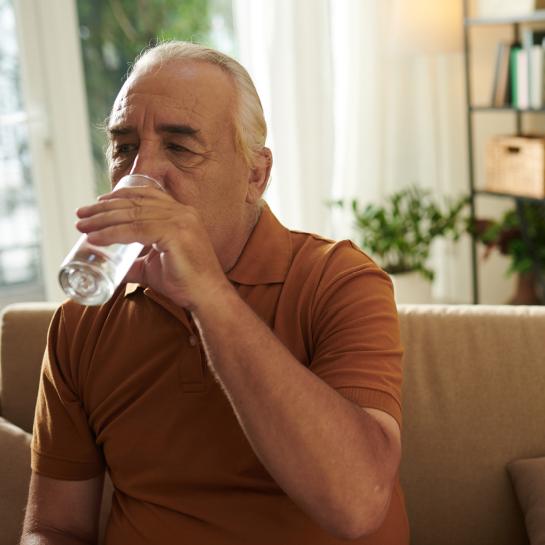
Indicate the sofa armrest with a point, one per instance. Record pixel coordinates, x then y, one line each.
14 480
23 334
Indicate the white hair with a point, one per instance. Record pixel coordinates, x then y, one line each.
249 121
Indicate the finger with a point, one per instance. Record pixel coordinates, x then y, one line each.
147 233
118 216
96 208
135 193
119 203
137 272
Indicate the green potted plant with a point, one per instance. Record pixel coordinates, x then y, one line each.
524 250
399 232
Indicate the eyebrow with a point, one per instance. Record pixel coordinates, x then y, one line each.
184 130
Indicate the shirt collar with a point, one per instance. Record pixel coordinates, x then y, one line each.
265 258
267 255
131 288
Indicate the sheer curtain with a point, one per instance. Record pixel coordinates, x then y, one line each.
355 111
286 47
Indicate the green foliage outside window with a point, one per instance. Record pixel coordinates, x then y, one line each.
114 32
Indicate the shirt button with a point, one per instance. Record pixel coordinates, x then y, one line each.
193 340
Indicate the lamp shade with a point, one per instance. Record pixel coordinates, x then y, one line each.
428 26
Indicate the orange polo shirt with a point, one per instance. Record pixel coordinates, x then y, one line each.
125 388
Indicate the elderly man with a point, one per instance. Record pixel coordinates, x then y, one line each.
243 388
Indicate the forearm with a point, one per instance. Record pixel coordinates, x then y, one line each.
48 537
324 451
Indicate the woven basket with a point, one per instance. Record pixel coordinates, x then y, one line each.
516 165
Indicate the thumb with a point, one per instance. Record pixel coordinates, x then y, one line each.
139 269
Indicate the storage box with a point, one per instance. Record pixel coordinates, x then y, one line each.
507 8
516 165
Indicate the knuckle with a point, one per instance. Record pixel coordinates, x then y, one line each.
136 213
137 227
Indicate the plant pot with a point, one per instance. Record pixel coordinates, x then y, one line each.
526 290
411 288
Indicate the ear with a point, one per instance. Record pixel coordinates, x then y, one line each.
259 175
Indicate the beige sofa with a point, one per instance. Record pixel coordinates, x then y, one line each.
474 400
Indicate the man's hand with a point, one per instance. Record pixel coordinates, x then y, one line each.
180 262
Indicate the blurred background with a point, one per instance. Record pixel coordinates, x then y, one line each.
371 126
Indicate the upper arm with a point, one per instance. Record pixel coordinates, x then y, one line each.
67 507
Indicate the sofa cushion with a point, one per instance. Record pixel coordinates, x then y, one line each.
14 479
472 402
528 476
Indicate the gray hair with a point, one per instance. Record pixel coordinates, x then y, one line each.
249 121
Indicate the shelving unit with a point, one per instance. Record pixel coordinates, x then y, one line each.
515 23
534 17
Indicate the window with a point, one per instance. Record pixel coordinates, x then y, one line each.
51 146
113 33
20 255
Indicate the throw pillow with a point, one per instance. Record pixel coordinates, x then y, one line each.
528 476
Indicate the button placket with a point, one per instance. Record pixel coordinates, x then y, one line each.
191 365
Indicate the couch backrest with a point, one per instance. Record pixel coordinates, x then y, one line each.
474 399
22 342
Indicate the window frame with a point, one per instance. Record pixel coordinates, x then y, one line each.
58 126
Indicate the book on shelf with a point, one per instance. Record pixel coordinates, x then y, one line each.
522 80
501 89
535 68
519 75
513 74
533 42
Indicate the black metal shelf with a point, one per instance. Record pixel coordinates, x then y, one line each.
534 17
508 109
519 115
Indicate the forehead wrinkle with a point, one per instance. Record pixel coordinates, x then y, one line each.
171 101
125 105
140 94
120 118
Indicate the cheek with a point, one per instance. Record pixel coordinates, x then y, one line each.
216 188
186 161
117 169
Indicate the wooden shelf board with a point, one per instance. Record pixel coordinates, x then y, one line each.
508 195
534 17
483 108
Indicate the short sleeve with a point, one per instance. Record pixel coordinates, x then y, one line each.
63 445
357 346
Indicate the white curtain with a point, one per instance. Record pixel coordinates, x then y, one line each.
286 47
354 112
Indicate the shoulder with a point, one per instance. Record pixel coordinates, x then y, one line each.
78 323
330 261
333 278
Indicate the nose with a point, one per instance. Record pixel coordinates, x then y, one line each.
149 161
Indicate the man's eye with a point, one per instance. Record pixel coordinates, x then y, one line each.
124 149
177 148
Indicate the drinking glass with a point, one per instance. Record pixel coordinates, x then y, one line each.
90 274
